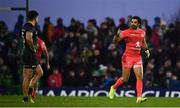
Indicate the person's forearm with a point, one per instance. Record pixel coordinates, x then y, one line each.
31 45
29 40
145 46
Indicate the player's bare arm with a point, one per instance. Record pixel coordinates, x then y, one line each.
47 58
30 41
145 46
117 36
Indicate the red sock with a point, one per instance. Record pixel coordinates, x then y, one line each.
33 94
118 83
139 86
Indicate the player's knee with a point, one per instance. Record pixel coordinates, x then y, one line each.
33 83
139 77
39 72
125 80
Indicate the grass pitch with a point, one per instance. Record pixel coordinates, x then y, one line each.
57 101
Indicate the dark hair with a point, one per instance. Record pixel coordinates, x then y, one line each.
32 15
138 18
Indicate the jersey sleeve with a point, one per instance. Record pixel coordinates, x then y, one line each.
123 34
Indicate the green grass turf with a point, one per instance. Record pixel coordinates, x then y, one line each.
57 101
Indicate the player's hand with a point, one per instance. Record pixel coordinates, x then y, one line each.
147 53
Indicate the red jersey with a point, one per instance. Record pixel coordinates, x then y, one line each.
41 47
133 39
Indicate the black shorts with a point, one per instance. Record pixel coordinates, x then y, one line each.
29 59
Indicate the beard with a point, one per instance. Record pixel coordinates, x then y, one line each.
134 26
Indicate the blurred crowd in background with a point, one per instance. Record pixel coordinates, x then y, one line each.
84 55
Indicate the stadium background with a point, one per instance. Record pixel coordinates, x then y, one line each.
81 47
87 9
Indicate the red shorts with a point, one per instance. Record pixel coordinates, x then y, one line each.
129 62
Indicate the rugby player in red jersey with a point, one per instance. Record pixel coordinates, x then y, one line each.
41 48
135 40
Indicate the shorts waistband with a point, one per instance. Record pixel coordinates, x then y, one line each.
30 66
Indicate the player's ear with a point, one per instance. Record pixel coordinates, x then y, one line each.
139 25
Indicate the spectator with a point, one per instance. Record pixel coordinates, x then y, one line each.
55 80
122 24
59 30
174 82
147 29
13 58
48 31
19 24
91 29
72 27
155 39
